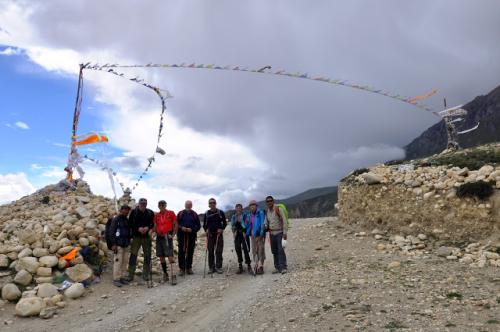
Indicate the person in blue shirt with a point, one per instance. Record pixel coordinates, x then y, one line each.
238 226
255 229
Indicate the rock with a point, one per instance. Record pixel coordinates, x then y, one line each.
394 265
39 252
371 178
83 199
23 278
44 272
28 293
30 306
27 237
422 237
10 292
26 252
30 264
62 264
48 261
84 242
43 280
57 298
79 272
91 224
74 291
48 312
82 212
444 251
378 237
61 304
64 250
451 257
4 261
47 290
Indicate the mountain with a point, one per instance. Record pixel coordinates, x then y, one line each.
312 203
484 110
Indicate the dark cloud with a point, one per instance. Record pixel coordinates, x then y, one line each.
310 133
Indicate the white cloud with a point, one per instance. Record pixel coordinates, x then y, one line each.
11 51
22 125
13 186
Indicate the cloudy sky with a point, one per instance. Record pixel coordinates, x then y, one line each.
234 136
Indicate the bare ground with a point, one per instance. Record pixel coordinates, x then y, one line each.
336 281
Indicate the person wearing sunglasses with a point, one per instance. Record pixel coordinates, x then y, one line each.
165 229
277 227
214 223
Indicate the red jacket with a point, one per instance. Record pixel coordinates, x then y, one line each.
164 222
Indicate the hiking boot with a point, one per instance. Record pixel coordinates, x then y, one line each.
284 271
219 270
240 269
211 271
275 271
174 280
124 281
181 273
249 268
129 278
117 283
260 270
190 271
165 277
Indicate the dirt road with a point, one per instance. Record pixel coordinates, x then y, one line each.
336 281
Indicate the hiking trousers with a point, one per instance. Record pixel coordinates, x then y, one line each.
239 244
259 250
137 243
215 247
120 262
186 241
278 252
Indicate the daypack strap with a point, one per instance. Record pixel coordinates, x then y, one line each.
280 217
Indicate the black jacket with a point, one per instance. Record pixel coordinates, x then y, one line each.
214 220
141 219
120 232
188 219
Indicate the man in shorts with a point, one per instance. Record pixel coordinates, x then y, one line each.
165 228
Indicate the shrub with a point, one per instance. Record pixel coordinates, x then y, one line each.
479 189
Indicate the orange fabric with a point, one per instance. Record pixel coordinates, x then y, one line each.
71 255
164 222
417 98
92 139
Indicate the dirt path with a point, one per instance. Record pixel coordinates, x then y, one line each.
337 281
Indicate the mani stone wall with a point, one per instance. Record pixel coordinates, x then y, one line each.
408 199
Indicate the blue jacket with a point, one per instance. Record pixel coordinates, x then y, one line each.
258 224
244 222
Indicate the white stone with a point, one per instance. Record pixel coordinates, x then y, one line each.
371 178
74 291
30 306
39 252
30 264
10 292
47 290
44 271
79 272
4 261
26 252
82 212
23 278
48 261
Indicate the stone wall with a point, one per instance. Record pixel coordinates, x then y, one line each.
406 199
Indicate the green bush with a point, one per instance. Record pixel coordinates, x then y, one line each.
479 189
473 159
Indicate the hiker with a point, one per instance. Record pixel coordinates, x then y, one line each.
255 229
120 236
238 226
165 229
142 223
277 227
214 223
188 226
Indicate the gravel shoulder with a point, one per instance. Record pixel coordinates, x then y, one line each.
336 281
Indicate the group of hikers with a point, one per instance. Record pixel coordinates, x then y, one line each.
133 229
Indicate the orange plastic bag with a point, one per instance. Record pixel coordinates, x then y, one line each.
71 255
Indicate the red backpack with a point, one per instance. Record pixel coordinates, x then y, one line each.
164 222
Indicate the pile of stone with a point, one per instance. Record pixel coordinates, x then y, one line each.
36 232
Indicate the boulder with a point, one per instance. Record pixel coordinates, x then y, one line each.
444 251
74 291
48 261
26 252
371 178
23 278
28 293
4 261
30 306
48 312
43 280
30 264
84 242
27 237
44 272
64 250
39 252
79 272
10 292
47 290
82 212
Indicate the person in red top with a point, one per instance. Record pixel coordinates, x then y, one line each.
165 229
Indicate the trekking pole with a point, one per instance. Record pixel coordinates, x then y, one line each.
215 249
150 277
245 247
229 263
206 253
185 253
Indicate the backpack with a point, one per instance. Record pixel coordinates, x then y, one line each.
107 233
285 212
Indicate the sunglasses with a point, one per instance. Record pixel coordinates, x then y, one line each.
211 203
269 201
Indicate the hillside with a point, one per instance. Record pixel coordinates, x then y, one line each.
483 109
